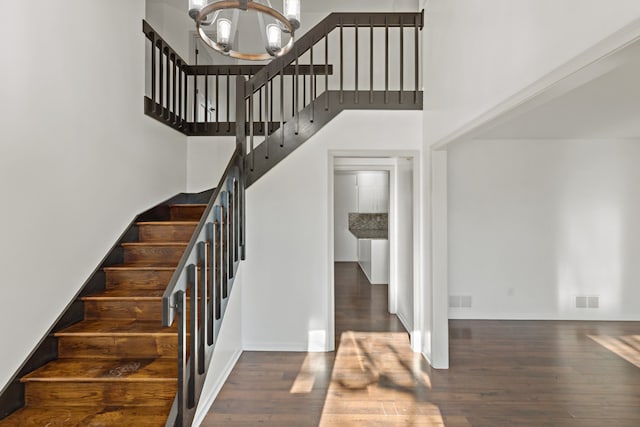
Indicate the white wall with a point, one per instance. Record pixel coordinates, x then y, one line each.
171 20
207 158
478 53
533 223
288 273
345 196
78 158
404 233
226 352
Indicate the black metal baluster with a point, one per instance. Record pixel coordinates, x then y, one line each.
206 99
195 101
185 113
312 82
180 77
266 117
341 64
193 330
181 313
297 72
153 71
228 102
282 105
202 314
173 88
217 101
168 83
211 293
251 147
326 71
416 59
355 98
260 108
160 78
217 230
401 60
271 105
370 61
386 60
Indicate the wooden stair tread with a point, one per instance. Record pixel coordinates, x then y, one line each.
127 294
160 244
137 267
189 205
86 416
113 327
168 223
89 370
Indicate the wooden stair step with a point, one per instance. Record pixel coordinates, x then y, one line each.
186 212
94 328
105 370
153 253
82 393
117 338
132 276
90 416
119 294
133 304
166 231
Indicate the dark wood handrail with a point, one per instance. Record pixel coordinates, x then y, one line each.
324 27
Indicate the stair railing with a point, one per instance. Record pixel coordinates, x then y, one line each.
383 75
197 295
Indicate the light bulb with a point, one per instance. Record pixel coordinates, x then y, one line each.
223 32
274 38
195 6
292 12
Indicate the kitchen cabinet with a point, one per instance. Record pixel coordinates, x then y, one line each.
373 258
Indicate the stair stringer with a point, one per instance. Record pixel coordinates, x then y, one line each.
314 117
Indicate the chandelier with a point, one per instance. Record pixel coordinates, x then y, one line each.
272 25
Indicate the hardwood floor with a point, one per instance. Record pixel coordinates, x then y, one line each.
503 373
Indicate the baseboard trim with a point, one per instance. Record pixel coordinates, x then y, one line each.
539 316
275 346
231 363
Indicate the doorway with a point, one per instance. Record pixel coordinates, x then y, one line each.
379 192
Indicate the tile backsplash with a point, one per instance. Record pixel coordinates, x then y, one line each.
368 221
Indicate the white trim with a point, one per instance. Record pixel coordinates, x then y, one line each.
404 323
279 346
231 363
453 315
369 160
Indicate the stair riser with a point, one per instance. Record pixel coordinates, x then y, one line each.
54 394
165 233
138 279
153 255
186 213
118 309
118 347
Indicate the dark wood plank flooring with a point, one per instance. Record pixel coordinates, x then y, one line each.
503 373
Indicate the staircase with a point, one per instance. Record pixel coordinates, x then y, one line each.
134 347
117 366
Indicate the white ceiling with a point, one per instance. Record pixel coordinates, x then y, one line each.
606 107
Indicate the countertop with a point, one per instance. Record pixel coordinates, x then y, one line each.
373 234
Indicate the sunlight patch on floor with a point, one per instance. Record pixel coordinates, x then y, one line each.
378 380
314 364
627 347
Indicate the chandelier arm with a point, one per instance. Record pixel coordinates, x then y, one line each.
258 7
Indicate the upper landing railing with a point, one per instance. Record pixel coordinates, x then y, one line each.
353 53
376 63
